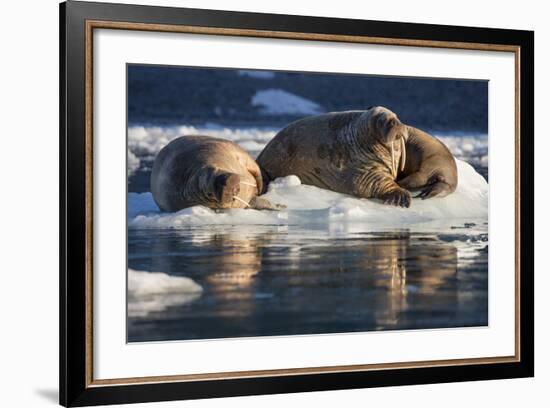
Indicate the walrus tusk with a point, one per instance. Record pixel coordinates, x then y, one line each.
241 200
403 154
392 159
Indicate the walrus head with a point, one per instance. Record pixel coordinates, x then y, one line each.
226 187
386 128
230 190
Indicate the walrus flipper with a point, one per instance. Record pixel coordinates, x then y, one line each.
438 189
434 187
414 182
398 197
259 203
376 184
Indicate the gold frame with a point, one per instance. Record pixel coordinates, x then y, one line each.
99 24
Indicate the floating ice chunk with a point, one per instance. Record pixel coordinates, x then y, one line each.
465 146
485 161
279 102
150 292
200 215
148 141
144 283
256 74
133 163
470 200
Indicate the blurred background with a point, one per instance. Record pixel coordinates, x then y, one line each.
161 95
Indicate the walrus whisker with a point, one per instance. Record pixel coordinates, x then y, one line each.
403 154
241 200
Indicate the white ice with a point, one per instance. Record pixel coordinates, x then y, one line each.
308 204
256 74
156 291
133 163
279 102
147 141
200 215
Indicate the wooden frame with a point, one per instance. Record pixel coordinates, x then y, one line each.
77 22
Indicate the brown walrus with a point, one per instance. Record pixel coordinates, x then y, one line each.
203 170
368 154
429 167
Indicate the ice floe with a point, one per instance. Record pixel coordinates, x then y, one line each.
309 205
256 74
147 141
150 292
280 102
133 163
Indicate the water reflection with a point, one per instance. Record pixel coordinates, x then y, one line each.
287 280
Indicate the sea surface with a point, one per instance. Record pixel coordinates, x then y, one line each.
270 280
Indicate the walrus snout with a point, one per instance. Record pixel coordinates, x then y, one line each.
387 125
391 123
393 134
394 130
226 187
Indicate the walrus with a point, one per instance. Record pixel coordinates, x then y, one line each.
429 166
203 170
368 154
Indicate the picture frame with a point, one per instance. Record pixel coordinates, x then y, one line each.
78 386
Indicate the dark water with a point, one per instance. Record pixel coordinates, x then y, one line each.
269 280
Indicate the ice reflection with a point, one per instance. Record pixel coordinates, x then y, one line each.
284 280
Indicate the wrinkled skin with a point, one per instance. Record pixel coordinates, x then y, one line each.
354 152
202 170
430 168
368 154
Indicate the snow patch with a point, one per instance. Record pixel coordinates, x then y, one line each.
200 215
133 163
146 142
289 181
279 102
256 74
150 292
466 146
